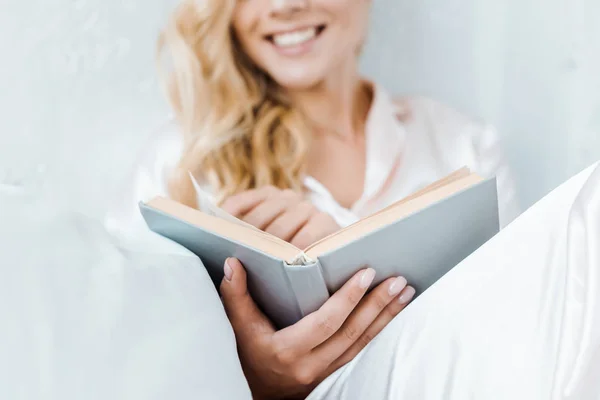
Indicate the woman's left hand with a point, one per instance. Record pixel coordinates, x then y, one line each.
282 213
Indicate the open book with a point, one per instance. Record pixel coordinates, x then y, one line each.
421 237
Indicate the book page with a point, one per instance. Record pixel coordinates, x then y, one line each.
447 180
389 215
245 234
456 175
207 206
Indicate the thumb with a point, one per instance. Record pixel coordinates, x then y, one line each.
241 309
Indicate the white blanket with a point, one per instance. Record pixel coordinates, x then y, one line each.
86 315
519 319
89 316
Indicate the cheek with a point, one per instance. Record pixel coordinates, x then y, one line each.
243 23
253 50
346 9
351 18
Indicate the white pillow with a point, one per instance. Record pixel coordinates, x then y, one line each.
87 316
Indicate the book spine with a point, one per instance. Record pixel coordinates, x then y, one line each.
309 287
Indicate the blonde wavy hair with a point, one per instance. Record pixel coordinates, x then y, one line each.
239 130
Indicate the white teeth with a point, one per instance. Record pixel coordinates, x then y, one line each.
294 38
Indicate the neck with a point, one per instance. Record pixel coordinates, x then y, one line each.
336 106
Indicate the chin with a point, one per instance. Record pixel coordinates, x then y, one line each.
297 81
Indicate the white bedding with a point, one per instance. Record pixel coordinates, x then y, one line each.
89 315
519 319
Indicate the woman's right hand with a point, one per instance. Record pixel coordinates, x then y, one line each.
291 362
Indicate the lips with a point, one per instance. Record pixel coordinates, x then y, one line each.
295 37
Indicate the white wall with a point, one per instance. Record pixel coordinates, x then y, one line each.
78 92
530 67
78 88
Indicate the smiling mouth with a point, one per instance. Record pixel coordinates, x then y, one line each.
295 38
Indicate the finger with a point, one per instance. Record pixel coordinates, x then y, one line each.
266 212
242 311
319 226
239 204
287 225
320 325
360 320
385 317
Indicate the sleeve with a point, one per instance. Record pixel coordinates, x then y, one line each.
147 178
491 161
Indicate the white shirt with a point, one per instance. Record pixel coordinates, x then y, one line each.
402 156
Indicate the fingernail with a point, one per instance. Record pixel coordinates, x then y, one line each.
367 278
228 271
407 295
397 285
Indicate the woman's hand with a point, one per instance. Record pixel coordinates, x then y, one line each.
282 213
291 362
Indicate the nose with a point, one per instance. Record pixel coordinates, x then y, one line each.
288 6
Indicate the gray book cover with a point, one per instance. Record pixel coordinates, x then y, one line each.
422 247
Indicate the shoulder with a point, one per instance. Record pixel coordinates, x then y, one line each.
456 135
436 115
457 140
444 124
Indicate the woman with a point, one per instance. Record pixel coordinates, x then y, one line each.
273 118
